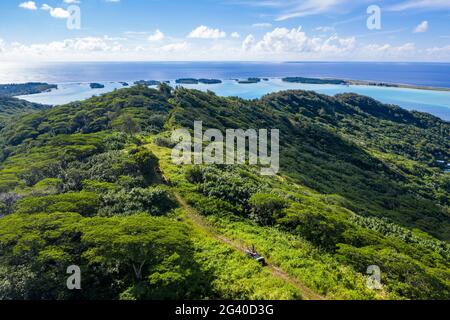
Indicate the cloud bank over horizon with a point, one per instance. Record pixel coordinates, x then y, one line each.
272 30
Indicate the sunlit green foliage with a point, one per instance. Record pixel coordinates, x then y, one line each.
12 107
360 185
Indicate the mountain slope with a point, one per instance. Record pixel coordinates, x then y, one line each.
327 146
358 186
10 107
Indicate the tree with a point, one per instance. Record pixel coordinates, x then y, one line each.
154 200
129 125
311 223
36 250
152 256
165 89
7 201
266 208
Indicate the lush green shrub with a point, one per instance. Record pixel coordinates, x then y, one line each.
266 208
7 202
400 273
155 201
315 226
84 203
164 142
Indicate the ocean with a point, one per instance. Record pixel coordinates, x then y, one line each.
73 79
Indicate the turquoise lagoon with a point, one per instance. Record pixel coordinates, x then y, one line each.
430 101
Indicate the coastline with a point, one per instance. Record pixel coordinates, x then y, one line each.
352 82
432 100
324 81
394 85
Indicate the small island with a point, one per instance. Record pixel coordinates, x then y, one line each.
249 81
25 88
210 81
359 83
197 81
96 86
313 80
147 83
187 81
124 84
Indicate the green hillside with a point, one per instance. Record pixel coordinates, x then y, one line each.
25 88
10 107
92 184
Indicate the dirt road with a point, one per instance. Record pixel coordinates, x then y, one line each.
200 222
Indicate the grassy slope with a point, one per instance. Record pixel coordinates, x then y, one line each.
234 276
300 259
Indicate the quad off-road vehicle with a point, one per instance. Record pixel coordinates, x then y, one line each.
253 254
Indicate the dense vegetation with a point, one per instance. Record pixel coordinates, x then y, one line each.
209 81
12 107
360 185
197 81
313 80
147 82
25 88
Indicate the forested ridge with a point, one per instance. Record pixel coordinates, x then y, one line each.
361 183
13 107
25 88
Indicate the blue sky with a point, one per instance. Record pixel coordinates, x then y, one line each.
272 30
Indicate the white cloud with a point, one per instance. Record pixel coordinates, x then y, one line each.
288 9
279 44
301 8
135 33
262 25
73 46
29 5
420 4
336 45
248 43
157 36
235 35
204 32
72 1
173 47
310 7
88 44
439 52
422 27
295 41
324 29
114 39
59 13
389 52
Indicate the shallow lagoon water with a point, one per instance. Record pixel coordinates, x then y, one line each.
70 92
433 102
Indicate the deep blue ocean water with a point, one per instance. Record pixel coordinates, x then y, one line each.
424 74
73 79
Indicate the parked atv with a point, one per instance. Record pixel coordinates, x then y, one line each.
253 254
